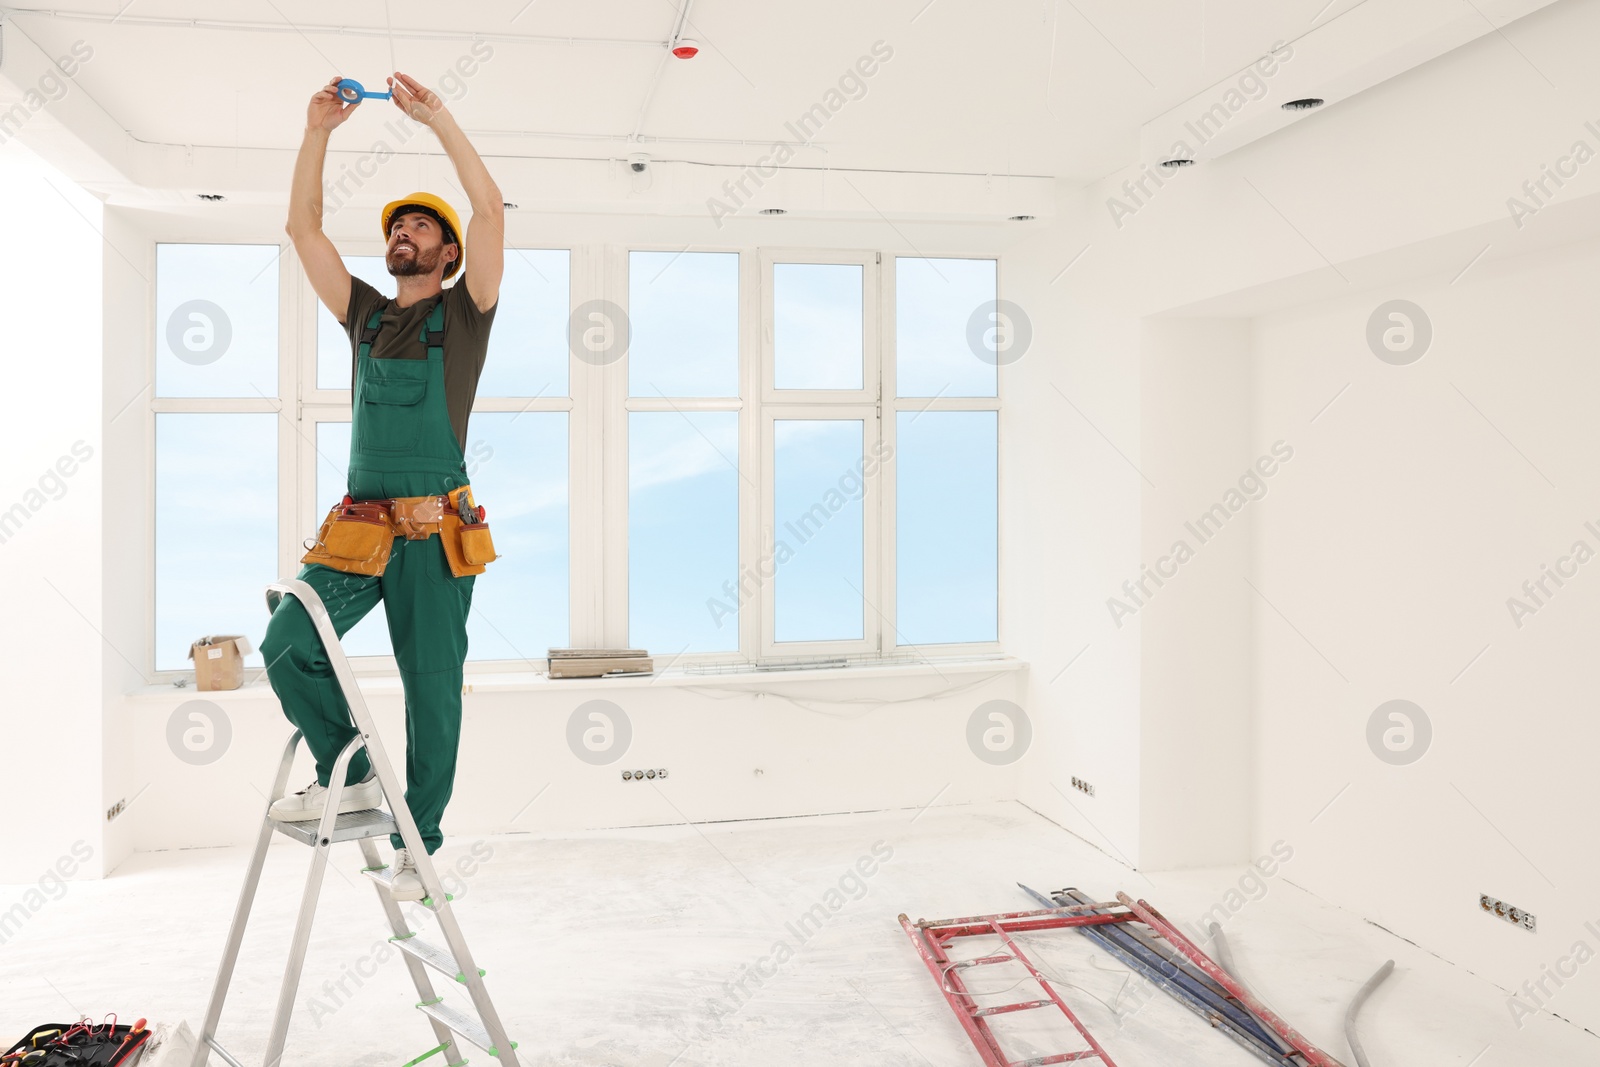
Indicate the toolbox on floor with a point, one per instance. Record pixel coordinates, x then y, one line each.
79 1044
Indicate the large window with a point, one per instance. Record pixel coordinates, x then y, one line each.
216 522
818 495
216 430
683 451
949 344
727 454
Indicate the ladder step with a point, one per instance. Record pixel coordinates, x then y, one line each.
441 960
384 876
1001 1009
462 1023
351 826
1064 1057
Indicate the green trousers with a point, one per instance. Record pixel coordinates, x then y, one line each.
427 610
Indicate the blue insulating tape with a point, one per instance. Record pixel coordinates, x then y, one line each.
351 92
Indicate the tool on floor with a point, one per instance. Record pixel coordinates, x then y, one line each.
1208 989
352 92
481 1026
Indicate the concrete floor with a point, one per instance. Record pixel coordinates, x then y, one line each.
626 949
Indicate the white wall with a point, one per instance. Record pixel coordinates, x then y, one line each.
1415 507
1190 598
1385 548
50 524
1069 448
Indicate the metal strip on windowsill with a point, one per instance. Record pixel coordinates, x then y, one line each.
810 663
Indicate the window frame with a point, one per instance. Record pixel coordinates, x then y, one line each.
871 349
158 405
898 404
870 641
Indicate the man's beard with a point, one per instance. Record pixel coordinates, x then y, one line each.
419 262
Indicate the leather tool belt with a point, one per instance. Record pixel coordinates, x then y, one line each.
358 535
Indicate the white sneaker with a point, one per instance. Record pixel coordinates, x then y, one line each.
405 884
307 805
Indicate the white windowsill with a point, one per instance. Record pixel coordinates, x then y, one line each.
538 681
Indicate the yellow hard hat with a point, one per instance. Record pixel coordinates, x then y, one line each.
429 204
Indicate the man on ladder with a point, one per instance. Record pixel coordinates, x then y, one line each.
417 360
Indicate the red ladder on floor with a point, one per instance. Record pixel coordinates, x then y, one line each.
930 937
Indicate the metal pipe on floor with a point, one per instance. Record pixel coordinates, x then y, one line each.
1355 1006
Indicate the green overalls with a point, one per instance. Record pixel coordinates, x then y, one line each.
401 445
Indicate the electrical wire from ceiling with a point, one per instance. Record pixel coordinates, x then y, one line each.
655 79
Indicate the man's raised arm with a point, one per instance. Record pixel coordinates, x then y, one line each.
320 259
486 233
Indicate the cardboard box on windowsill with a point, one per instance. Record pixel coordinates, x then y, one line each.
219 661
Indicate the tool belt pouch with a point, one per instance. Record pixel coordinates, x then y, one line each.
476 544
355 538
451 535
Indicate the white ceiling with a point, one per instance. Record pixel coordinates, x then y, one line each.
1056 88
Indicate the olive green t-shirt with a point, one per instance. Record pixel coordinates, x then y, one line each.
466 340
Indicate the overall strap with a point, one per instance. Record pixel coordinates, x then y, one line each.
432 334
369 333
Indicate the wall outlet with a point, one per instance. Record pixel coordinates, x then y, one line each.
639 776
1515 916
1082 786
116 809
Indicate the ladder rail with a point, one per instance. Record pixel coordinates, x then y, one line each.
476 989
241 914
366 727
308 907
951 986
419 973
367 733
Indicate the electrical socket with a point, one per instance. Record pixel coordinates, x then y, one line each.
639 776
116 809
1515 916
1083 786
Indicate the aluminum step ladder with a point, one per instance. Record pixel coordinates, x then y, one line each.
454 960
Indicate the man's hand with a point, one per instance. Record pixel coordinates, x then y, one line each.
415 99
486 232
327 110
327 271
